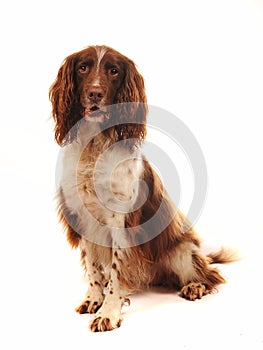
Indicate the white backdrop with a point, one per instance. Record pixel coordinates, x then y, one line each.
202 61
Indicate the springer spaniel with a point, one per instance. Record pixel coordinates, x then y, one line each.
111 202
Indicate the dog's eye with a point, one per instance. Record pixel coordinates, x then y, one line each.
114 71
83 68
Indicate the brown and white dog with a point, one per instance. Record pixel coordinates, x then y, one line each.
111 202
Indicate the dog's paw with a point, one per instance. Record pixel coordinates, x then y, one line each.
89 306
105 322
193 291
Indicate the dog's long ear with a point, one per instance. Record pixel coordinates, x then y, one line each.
133 104
62 96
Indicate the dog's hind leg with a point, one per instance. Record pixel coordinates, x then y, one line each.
195 274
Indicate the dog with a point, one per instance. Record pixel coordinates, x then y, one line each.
111 202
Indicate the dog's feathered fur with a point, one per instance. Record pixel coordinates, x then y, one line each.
141 244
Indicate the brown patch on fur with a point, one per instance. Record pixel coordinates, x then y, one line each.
117 257
82 258
125 301
67 219
162 232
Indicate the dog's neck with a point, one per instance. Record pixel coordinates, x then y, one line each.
87 130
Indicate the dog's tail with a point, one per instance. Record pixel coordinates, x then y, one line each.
224 255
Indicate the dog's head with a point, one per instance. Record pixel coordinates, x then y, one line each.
101 85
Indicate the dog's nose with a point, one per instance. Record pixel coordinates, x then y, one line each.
95 94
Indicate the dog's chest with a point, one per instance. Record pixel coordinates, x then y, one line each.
102 179
111 176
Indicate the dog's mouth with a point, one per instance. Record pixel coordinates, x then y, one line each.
95 113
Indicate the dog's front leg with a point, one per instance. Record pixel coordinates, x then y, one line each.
109 315
96 278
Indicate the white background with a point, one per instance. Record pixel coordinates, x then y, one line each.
202 61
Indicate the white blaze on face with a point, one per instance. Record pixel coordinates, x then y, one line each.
100 53
97 116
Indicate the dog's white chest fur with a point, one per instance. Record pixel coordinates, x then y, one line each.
100 182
